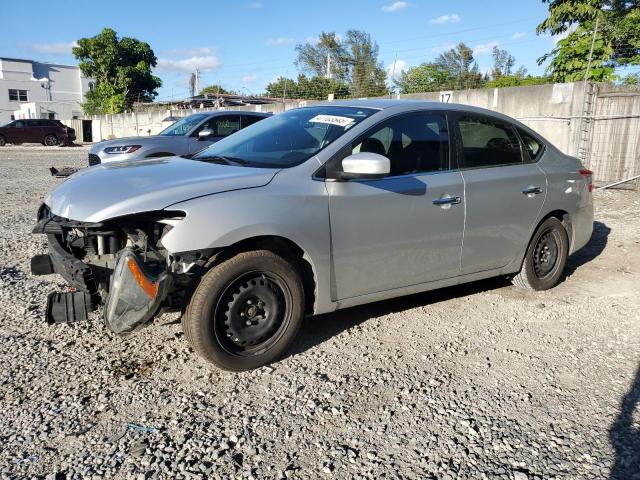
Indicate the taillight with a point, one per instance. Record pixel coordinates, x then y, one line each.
589 174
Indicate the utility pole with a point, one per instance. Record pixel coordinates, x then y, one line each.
197 81
328 75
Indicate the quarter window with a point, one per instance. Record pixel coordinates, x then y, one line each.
531 145
487 143
18 95
222 126
413 143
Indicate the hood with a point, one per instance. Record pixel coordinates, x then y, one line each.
155 139
122 188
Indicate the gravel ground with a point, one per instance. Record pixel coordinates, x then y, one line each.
479 381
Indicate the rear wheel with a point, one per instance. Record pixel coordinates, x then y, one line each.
3 141
546 257
246 311
50 140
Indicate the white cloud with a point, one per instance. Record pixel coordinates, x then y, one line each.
518 35
249 79
448 18
255 5
57 48
210 62
485 48
396 68
276 42
395 7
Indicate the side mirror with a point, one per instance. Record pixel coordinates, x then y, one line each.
202 134
365 165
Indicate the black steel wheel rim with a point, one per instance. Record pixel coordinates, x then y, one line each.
252 313
546 254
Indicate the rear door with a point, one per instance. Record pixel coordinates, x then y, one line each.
36 130
404 229
504 194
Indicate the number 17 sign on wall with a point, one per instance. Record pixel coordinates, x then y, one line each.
445 97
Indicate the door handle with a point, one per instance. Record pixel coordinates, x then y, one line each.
446 200
532 190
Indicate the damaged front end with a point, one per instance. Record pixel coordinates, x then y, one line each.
119 263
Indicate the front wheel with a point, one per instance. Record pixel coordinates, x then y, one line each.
3 141
51 140
246 311
546 257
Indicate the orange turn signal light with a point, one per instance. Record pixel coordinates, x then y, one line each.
150 288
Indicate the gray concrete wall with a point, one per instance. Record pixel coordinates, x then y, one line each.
551 110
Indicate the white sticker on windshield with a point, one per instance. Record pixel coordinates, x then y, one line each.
332 120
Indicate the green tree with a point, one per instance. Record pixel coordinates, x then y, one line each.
311 88
328 52
428 77
352 60
503 62
617 40
215 90
461 67
121 68
367 74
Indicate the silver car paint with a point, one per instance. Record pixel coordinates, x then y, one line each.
146 185
295 205
157 144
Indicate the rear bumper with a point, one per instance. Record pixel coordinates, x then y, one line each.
582 227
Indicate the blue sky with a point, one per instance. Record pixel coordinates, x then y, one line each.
245 44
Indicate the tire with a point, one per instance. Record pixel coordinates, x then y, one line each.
3 141
50 140
246 311
546 257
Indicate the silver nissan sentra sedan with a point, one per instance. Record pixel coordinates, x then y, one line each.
309 211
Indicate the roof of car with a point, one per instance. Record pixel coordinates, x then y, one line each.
239 112
411 104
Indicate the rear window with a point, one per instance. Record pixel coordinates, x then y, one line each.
488 143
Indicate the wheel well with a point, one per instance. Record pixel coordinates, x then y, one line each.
565 218
286 249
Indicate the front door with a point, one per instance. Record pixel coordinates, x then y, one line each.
405 229
17 132
221 126
504 194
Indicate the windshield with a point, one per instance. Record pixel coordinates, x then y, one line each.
286 139
184 126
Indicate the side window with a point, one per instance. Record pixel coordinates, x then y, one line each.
34 123
19 124
413 143
222 125
487 142
226 125
532 146
250 120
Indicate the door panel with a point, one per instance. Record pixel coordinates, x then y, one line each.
388 233
500 216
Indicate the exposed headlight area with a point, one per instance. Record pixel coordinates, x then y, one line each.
120 263
121 149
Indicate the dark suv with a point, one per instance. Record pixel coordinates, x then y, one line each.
47 132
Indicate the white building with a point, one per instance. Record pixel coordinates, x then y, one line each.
30 89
